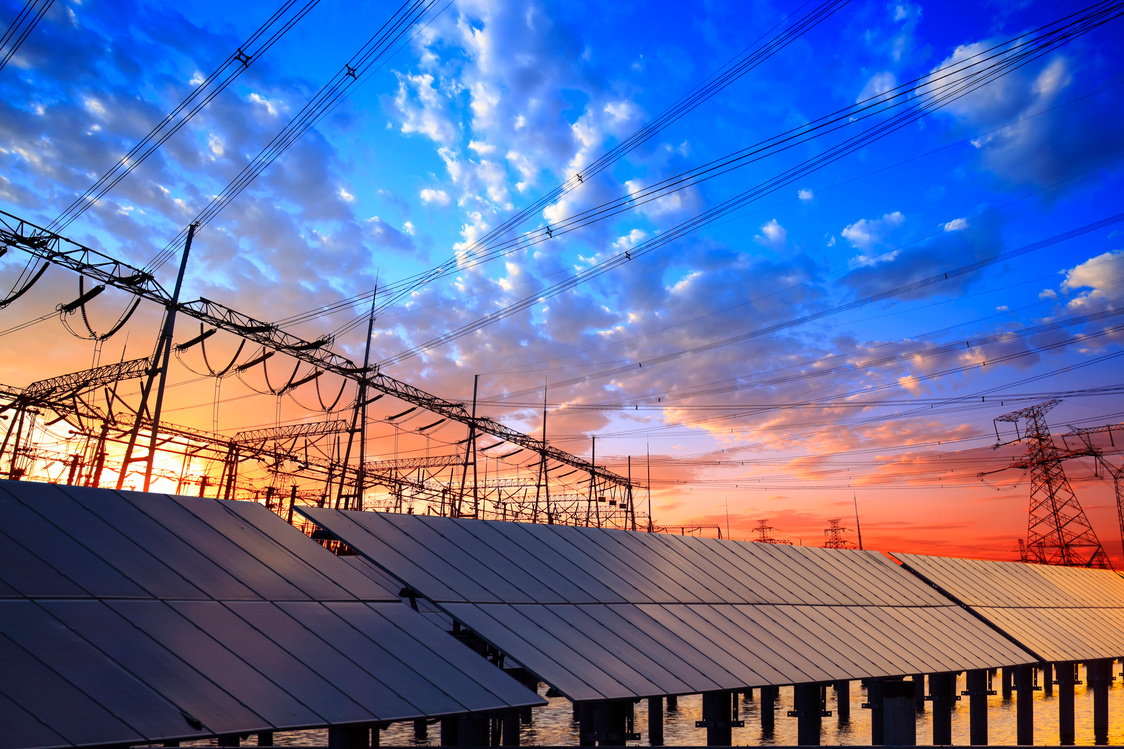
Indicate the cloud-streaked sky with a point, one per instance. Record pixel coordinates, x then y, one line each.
862 299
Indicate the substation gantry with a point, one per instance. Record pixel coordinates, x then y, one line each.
608 495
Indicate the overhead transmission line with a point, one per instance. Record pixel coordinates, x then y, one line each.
377 48
26 20
931 92
957 83
257 44
891 293
746 61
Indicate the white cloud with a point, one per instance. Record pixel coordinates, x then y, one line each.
957 224
772 234
865 234
878 85
1100 275
408 228
440 197
805 195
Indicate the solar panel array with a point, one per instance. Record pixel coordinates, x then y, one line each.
1057 613
601 614
129 618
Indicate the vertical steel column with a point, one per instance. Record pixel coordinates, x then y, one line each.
942 688
1024 705
1067 678
977 706
511 727
612 722
587 729
229 739
265 738
768 709
1099 675
1048 679
421 729
874 704
717 718
672 703
899 715
655 721
349 737
919 692
808 713
1008 681
843 701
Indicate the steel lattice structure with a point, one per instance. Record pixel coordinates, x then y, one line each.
1058 532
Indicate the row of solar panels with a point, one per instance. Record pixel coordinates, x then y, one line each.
136 618
130 618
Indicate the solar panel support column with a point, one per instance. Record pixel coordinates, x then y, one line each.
587 730
1099 675
919 692
942 693
717 718
655 721
349 737
265 738
421 729
1024 706
768 709
1048 679
748 694
612 721
808 701
843 701
899 716
977 692
511 725
1067 678
874 704
672 703
229 739
1008 682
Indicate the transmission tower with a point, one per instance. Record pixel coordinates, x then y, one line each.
764 534
1116 472
834 536
1057 530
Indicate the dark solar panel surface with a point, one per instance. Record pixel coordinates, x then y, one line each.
602 614
133 618
1057 613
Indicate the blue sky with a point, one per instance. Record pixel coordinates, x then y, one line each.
744 349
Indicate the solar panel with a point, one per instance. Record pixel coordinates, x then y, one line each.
1057 613
604 614
138 618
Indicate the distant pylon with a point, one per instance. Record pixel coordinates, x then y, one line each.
834 533
764 535
1057 530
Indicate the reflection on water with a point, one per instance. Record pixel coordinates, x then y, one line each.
555 724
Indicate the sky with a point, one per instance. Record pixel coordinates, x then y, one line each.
786 263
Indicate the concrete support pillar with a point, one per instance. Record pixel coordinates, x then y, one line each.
718 718
1067 678
899 714
942 693
874 692
768 709
1024 705
1048 679
655 721
1099 675
587 729
229 739
672 703
421 729
919 692
349 737
843 701
265 738
511 724
172 742
808 704
1008 681
747 694
977 706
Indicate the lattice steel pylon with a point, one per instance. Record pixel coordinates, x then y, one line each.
1057 530
833 535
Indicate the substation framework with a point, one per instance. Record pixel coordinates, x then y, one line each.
322 463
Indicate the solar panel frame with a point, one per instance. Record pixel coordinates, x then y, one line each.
553 551
31 576
22 730
664 576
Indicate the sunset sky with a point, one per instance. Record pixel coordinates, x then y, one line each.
848 236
